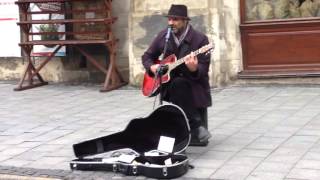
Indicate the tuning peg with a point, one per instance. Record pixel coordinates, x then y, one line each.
208 52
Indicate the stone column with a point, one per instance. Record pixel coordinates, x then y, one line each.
227 58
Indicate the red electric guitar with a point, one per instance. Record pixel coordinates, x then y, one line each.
151 84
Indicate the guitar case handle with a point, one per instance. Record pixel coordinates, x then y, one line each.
165 171
135 170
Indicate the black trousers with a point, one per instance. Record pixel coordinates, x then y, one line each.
178 91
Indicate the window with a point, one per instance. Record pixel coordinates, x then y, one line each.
258 10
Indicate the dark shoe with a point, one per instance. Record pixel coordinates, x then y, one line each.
196 142
199 137
203 134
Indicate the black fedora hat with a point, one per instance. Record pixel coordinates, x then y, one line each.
178 11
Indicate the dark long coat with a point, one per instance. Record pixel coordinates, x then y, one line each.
199 79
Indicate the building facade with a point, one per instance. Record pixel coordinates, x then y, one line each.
252 40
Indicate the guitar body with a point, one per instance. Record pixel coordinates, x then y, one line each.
151 84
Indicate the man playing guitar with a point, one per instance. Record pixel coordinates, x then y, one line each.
189 82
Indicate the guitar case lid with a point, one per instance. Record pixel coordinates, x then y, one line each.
143 134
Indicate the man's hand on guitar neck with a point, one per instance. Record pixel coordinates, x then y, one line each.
192 62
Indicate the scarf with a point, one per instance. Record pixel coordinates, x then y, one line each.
181 38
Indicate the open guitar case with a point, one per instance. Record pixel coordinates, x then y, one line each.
140 142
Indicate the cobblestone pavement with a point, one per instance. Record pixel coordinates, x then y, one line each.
259 132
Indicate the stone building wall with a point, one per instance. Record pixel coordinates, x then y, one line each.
219 20
121 9
138 23
227 60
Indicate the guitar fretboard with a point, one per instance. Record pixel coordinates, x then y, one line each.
181 60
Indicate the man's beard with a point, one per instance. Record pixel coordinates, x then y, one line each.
177 31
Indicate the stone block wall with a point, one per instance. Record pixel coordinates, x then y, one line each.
11 68
227 57
121 9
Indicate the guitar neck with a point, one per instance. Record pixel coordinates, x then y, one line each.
182 60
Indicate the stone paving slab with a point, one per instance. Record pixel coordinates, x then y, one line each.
259 132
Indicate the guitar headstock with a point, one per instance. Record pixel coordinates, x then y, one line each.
206 49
